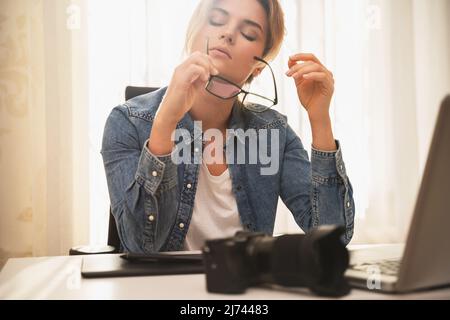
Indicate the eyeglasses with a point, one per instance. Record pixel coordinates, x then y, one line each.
225 89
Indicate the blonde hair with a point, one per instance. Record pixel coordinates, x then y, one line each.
275 31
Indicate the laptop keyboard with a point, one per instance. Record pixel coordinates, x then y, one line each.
386 267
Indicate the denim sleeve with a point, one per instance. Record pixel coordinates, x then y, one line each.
138 184
317 192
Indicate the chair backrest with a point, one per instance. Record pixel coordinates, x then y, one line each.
113 235
131 92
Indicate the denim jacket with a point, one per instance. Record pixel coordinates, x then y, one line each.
152 197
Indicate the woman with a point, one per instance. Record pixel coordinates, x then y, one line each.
163 205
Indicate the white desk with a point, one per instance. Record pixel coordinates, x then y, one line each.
59 278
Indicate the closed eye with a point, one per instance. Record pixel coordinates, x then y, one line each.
219 16
217 24
212 22
248 37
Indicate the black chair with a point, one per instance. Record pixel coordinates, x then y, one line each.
132 92
113 236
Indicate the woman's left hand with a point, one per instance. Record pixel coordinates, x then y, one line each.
315 84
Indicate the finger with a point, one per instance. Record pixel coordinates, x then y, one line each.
207 72
317 76
307 69
195 72
205 61
292 63
210 62
304 57
202 60
299 66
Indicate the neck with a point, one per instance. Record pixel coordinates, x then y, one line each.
212 111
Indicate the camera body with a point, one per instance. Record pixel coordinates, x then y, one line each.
317 260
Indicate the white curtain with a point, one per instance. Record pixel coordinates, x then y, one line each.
44 195
65 65
392 69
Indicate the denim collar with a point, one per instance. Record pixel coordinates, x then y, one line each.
236 122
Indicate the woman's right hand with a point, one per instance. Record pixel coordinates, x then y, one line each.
187 80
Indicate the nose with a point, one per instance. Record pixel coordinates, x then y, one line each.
228 36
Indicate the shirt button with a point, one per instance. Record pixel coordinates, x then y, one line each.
151 217
181 225
348 204
154 173
196 150
189 186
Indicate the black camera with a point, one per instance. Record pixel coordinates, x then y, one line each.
317 260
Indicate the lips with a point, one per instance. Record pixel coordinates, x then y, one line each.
223 50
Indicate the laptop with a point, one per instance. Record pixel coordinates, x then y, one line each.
424 260
135 264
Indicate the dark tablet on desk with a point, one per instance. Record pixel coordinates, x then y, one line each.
129 264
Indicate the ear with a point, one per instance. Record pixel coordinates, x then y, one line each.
257 72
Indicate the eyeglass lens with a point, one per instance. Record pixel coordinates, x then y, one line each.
222 88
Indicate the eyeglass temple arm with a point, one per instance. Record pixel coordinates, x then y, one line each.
273 77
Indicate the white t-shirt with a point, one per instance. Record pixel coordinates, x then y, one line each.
215 214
